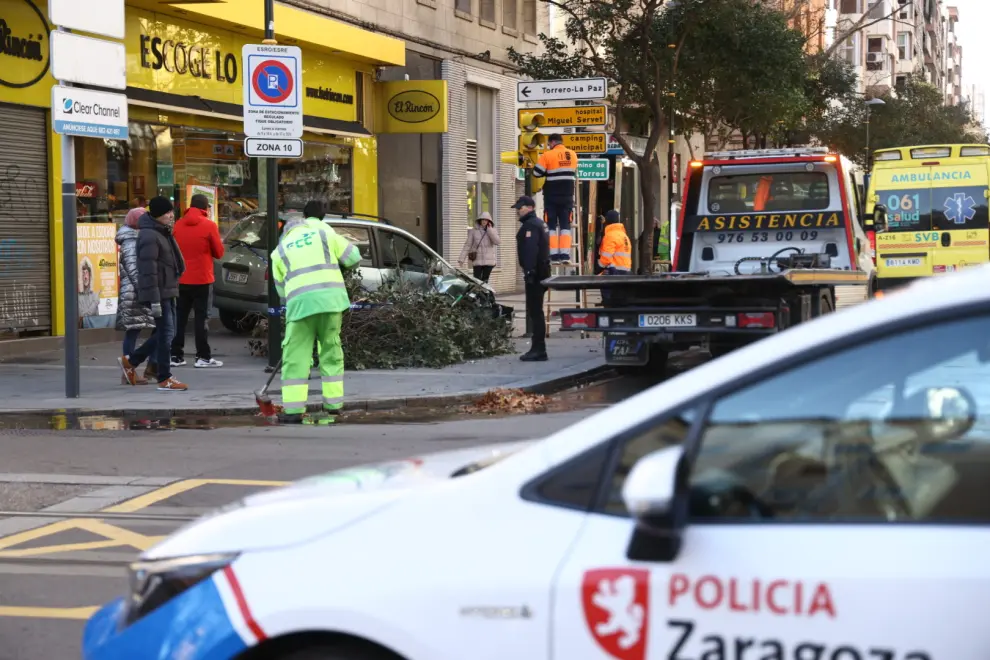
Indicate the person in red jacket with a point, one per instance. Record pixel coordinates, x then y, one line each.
199 240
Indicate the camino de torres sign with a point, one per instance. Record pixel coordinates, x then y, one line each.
411 106
592 169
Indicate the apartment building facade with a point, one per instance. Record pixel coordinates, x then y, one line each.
436 185
901 38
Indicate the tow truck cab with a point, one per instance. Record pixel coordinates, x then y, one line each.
750 211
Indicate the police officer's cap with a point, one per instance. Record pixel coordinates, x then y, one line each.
525 200
611 217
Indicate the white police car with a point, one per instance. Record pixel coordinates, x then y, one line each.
819 495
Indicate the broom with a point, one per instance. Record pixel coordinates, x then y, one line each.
261 396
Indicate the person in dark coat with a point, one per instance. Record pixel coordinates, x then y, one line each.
132 316
533 247
160 265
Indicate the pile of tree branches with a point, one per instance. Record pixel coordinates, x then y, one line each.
400 325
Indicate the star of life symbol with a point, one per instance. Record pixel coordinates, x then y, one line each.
960 208
625 615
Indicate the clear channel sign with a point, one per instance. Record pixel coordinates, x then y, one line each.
575 89
593 169
273 91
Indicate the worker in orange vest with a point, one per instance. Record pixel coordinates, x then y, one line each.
615 255
559 166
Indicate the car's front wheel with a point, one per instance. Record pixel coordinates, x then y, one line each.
240 323
337 652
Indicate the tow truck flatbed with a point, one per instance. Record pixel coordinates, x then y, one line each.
795 277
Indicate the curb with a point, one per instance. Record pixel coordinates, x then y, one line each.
360 405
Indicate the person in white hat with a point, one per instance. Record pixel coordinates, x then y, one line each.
480 248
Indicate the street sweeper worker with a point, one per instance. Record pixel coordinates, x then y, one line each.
307 270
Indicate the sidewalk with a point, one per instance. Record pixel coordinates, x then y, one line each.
36 383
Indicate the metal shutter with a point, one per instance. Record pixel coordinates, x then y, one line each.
25 274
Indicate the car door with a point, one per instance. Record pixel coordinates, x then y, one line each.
360 237
905 249
404 259
835 513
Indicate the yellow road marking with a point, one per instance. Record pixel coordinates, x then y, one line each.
113 536
179 487
77 613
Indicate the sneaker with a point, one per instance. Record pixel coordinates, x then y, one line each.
128 374
172 385
138 380
178 362
207 364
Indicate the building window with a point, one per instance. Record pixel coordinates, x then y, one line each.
904 45
480 151
849 7
510 18
849 52
487 12
874 54
463 5
529 16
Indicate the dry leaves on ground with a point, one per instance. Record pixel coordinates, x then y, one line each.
502 400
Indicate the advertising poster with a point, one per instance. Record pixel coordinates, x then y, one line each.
211 197
97 283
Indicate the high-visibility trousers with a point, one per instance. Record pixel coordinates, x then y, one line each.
557 215
297 358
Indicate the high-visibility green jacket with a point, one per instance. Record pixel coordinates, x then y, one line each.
663 242
306 266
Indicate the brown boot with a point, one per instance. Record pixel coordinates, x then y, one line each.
150 374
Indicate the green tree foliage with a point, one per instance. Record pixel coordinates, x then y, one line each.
406 326
917 115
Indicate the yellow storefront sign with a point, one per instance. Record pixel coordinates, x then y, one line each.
173 56
412 106
24 53
586 143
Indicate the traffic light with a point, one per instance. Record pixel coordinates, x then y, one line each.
512 158
530 121
535 182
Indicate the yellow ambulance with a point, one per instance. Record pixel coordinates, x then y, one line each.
928 209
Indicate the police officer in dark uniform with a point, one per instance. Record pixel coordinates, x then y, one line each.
533 248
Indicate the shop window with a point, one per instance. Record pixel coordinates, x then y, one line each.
480 150
510 17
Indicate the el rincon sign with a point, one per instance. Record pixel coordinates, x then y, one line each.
412 106
24 47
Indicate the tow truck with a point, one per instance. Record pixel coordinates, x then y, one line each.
766 239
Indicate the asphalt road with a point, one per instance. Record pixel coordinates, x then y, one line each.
53 572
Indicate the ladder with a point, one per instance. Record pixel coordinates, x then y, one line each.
554 301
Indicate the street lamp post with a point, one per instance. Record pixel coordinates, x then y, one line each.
869 106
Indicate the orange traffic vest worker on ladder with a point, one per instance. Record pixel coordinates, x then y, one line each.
615 254
559 166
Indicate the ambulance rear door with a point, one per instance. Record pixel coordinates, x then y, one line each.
959 215
905 248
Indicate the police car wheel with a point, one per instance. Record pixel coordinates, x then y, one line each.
338 652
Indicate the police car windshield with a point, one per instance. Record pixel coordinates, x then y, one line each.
769 192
